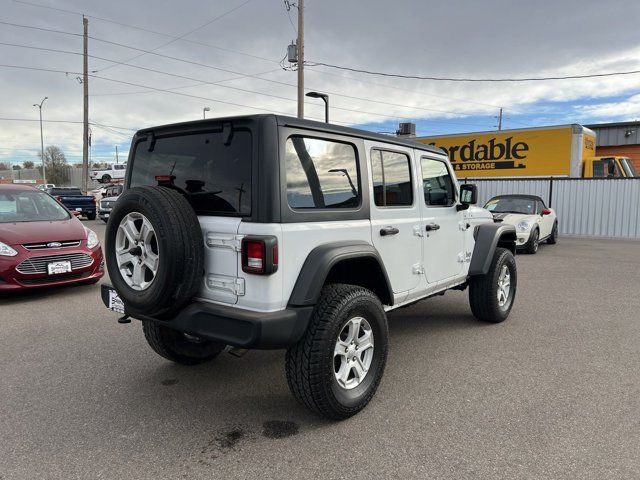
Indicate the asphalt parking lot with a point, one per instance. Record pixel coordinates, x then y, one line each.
554 392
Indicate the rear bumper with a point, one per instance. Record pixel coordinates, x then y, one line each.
235 326
84 210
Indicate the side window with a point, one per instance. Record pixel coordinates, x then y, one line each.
321 174
119 167
437 183
391 179
598 169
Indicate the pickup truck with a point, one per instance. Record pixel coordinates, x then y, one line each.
108 200
75 201
112 172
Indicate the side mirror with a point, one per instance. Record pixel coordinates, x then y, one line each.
468 196
545 211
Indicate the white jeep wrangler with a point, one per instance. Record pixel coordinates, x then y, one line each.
268 232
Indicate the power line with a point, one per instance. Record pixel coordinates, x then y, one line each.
182 36
5 119
218 100
287 7
453 79
148 30
144 52
40 28
256 76
36 120
145 86
237 88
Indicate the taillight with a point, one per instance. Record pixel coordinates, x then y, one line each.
165 178
255 256
260 255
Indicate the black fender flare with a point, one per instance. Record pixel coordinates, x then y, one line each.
488 236
319 263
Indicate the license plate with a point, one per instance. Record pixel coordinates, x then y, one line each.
78 209
115 302
57 268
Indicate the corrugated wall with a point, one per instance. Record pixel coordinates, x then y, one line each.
598 207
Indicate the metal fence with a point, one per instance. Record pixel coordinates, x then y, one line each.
594 207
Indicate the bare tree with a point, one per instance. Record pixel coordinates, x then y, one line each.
4 166
28 164
57 168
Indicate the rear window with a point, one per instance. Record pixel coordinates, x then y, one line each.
214 177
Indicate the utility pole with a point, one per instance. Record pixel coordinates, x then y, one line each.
44 174
85 88
500 120
300 43
117 161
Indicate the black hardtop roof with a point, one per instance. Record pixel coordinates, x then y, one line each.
521 195
284 120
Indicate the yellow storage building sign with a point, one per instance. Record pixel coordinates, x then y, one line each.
530 152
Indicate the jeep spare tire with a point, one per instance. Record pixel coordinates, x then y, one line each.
154 251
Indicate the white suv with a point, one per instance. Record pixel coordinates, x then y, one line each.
272 232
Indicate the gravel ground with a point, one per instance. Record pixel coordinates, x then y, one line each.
551 393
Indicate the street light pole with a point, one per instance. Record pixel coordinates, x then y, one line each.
44 175
325 99
204 112
300 43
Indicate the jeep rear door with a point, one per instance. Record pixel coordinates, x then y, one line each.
212 169
395 215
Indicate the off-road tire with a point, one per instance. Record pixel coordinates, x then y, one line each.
180 246
175 346
483 290
310 362
553 238
105 178
532 245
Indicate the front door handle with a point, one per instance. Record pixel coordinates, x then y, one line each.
388 231
432 227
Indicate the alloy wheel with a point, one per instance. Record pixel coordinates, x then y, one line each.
353 353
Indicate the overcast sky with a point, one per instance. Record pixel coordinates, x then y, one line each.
454 38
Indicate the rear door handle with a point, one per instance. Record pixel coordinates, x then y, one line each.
388 231
432 226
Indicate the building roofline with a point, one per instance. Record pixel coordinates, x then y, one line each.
635 123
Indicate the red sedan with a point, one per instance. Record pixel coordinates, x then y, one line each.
42 244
